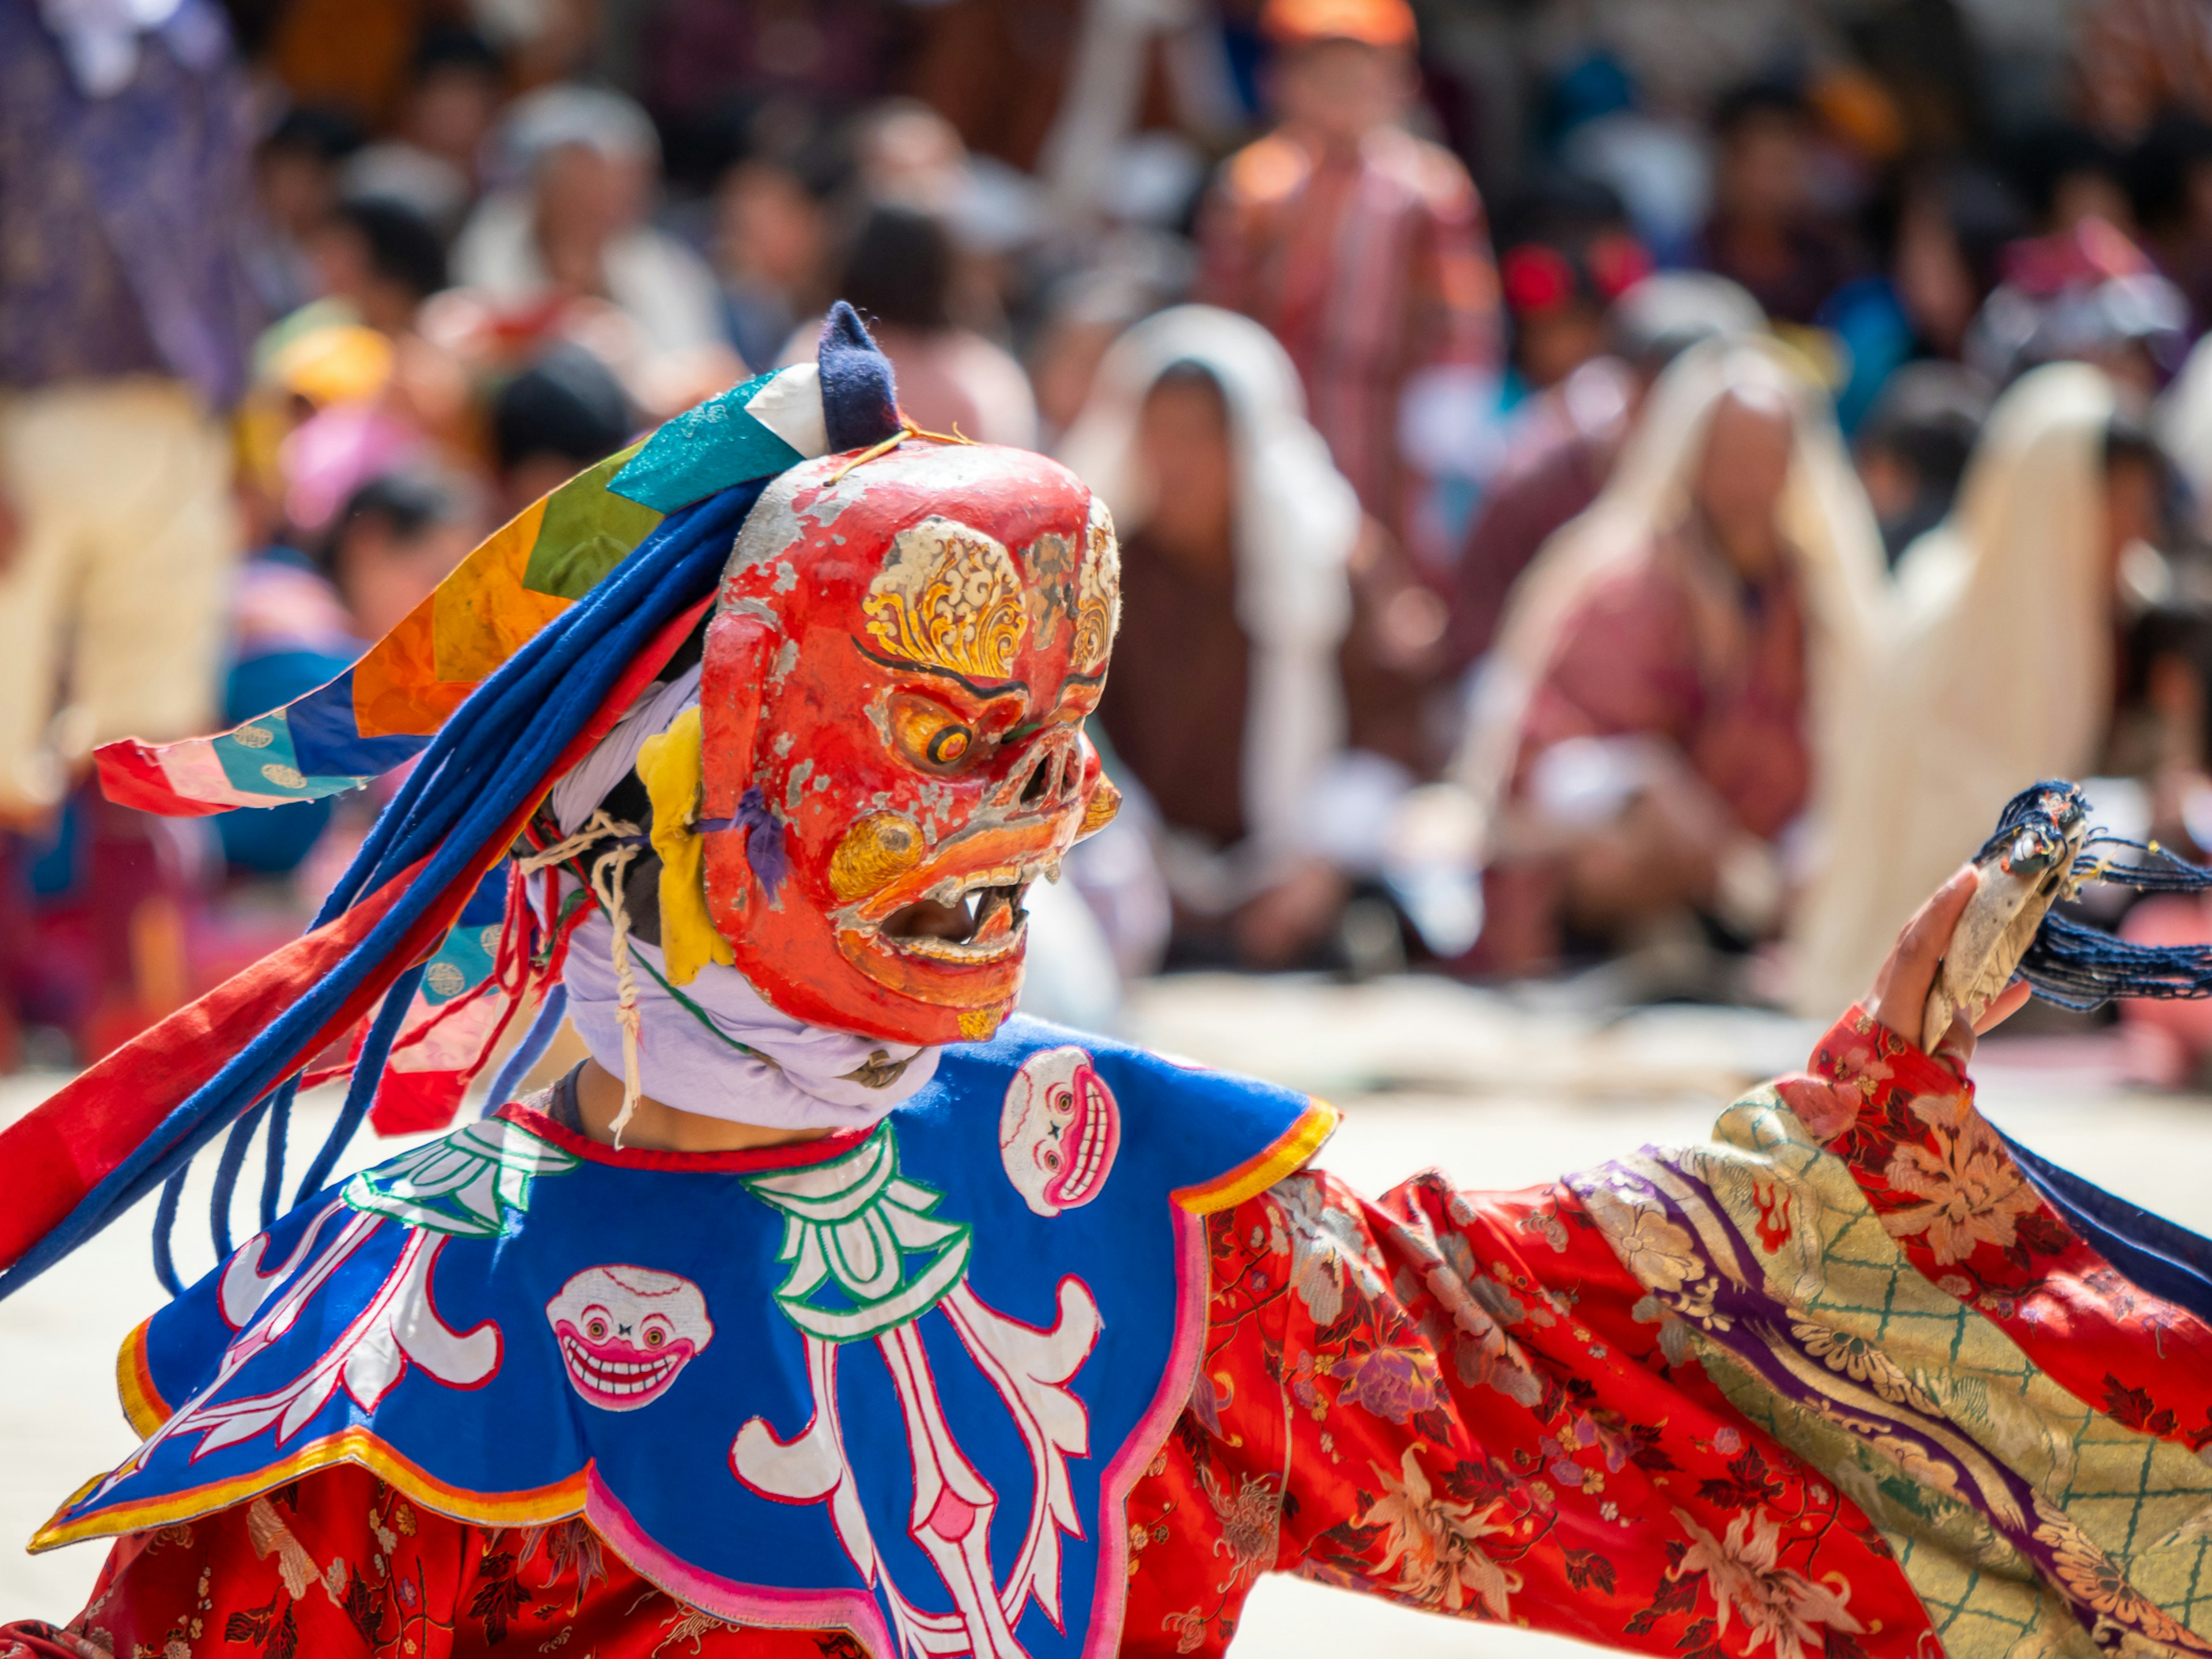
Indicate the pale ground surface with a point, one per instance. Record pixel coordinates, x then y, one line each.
1498 1092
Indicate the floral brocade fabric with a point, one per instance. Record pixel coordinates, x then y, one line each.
1464 1402
1761 1396
1902 1308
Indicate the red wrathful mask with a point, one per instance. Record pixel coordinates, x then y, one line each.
901 659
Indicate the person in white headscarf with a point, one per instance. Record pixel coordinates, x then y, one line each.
1999 668
1676 671
581 166
1275 650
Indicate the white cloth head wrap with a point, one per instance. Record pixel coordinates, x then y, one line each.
811 1079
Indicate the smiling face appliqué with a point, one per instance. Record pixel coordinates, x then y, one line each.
1059 1131
625 1332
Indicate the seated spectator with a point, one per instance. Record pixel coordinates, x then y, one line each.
382 258
296 185
1565 253
771 239
1565 447
1768 231
2086 293
289 633
398 536
1941 237
455 85
1557 293
1913 448
1083 315
1670 675
899 272
2069 174
1998 664
576 224
1276 651
563 413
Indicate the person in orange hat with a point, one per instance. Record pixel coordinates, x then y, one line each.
1361 246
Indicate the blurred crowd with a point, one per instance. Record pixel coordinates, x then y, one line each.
1622 486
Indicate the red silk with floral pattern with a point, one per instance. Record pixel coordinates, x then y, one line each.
1448 1399
1966 1217
1455 1399
903 652
1463 1401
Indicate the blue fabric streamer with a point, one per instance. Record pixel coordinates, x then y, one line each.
361 1093
528 1052
491 757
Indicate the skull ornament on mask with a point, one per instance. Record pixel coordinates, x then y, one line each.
895 680
626 1332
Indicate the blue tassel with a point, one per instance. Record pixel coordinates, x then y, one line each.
490 758
528 1052
2078 966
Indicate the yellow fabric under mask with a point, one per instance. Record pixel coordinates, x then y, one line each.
669 765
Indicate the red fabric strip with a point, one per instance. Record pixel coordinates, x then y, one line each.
130 776
68 1144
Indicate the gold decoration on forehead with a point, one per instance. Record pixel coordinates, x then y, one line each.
949 598
1098 593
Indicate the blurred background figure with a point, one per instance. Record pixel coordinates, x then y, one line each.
771 240
565 412
2001 659
398 536
1674 672
1566 442
1770 229
574 225
1361 248
901 271
432 161
1276 655
125 311
296 170
379 257
2084 293
1912 448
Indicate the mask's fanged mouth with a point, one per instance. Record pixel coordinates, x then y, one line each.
976 919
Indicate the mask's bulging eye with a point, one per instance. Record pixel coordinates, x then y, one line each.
931 736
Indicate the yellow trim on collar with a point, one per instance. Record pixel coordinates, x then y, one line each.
1289 1153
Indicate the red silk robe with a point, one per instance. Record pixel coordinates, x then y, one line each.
1463 1401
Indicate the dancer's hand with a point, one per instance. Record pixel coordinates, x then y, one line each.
1899 997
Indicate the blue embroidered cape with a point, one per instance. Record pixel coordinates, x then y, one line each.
899 1381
